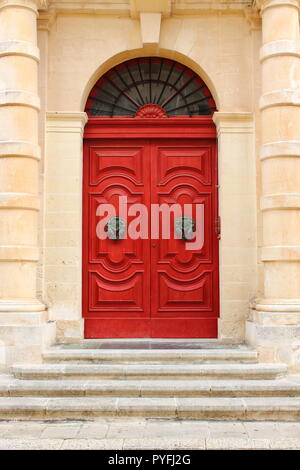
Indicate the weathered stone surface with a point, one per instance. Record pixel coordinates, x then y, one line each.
96 444
150 371
149 433
236 444
155 395
164 443
158 355
152 388
153 407
258 408
30 444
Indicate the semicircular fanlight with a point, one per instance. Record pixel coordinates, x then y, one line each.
131 87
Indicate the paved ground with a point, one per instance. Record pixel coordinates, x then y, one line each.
148 434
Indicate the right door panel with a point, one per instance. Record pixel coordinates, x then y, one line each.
184 274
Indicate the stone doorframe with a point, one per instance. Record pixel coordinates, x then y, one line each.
63 222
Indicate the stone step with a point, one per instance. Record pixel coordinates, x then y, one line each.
150 371
149 355
249 408
150 388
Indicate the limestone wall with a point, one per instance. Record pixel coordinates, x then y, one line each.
217 45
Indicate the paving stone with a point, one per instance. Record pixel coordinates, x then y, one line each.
290 430
228 444
93 431
20 430
225 425
257 430
60 431
228 434
287 444
95 444
145 433
132 429
226 429
169 430
31 444
164 444
260 444
195 429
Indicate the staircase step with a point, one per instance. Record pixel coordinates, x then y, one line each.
149 355
250 408
149 388
150 371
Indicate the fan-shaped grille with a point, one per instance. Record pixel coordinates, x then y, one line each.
162 82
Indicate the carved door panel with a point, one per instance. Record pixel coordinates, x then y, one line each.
150 287
116 274
184 274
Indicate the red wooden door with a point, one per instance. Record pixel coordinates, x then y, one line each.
150 287
184 282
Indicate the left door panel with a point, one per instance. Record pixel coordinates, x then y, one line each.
116 274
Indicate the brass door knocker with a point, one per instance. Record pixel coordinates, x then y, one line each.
184 227
116 228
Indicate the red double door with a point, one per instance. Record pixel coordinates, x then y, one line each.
147 287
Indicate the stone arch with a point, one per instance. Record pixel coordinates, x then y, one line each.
136 53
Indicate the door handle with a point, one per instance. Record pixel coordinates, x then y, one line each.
116 228
153 245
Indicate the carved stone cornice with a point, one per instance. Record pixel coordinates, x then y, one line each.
42 5
133 8
253 17
153 6
46 19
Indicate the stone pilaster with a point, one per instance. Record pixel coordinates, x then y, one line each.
238 224
22 315
63 221
275 320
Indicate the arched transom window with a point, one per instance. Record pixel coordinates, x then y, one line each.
150 87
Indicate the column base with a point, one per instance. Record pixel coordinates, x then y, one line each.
69 331
24 336
273 329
